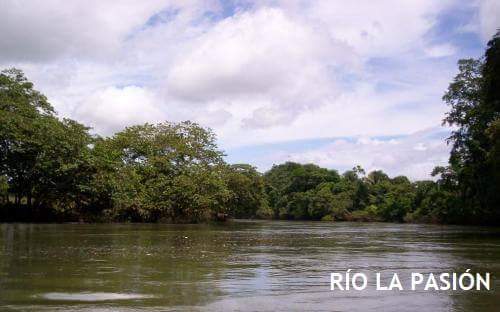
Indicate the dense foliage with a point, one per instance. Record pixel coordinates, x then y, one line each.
309 192
473 176
55 170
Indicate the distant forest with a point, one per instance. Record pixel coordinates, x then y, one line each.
55 170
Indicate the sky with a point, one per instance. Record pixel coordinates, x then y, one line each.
336 83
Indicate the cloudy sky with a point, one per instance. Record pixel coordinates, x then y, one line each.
337 83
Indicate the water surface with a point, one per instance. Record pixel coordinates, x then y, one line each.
238 266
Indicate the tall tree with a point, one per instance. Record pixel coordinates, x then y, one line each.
474 100
168 171
248 197
41 156
23 112
491 98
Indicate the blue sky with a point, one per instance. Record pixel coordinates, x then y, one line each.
332 82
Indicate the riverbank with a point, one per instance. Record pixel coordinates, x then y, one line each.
54 169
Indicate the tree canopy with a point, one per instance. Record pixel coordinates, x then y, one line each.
472 174
53 169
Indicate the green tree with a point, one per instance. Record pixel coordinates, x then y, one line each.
4 190
62 168
169 171
322 202
42 157
474 100
248 197
23 113
285 181
399 199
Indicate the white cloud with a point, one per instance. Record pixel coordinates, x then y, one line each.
489 18
274 71
441 50
378 28
111 109
260 53
276 67
252 52
40 31
214 118
414 155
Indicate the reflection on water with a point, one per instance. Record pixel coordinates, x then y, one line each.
245 266
92 297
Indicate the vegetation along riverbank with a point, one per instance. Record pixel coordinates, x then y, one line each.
54 169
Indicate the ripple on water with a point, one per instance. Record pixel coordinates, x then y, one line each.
91 296
107 270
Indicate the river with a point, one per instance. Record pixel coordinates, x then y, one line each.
237 266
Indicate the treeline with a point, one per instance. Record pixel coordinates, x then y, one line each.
53 169
307 192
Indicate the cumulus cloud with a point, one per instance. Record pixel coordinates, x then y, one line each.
214 118
270 63
41 31
252 52
489 18
414 155
111 109
262 52
379 28
440 50
257 72
265 117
